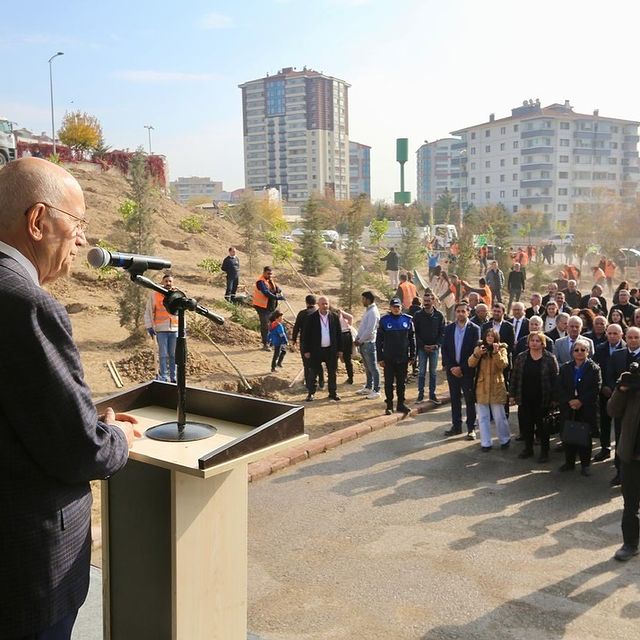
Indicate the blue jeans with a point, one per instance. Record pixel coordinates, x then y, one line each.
430 358
167 354
370 361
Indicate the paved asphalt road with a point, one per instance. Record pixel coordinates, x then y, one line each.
404 534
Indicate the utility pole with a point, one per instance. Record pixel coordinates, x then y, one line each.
53 126
149 128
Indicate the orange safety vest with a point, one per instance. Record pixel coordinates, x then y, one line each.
409 292
162 319
487 297
609 269
259 299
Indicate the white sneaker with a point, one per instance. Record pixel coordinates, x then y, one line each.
363 392
373 395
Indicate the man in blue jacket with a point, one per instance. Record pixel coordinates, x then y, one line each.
460 339
396 346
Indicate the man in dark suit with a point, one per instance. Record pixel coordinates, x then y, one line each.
460 339
602 356
596 292
501 325
536 308
52 443
519 321
619 362
321 343
298 332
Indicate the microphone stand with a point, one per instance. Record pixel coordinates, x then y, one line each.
176 302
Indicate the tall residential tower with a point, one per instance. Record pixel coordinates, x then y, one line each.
296 134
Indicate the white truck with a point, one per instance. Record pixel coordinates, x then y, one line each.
7 142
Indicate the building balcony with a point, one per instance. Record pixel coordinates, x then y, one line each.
536 200
540 183
542 149
537 166
590 151
541 131
632 138
631 170
458 145
630 154
592 135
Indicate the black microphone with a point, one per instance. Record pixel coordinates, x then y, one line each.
98 257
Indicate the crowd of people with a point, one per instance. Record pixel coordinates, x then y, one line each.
564 360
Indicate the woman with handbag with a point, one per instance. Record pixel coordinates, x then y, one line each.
491 359
533 388
579 385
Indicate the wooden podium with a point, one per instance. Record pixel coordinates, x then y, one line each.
174 520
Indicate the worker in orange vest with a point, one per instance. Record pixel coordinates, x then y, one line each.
163 326
609 273
406 291
266 295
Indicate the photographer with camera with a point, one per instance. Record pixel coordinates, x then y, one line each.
625 404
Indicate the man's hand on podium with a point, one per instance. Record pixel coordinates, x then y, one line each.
123 421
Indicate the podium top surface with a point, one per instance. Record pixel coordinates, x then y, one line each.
248 428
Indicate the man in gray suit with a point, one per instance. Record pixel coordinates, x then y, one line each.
52 443
563 347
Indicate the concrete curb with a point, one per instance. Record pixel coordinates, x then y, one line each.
268 466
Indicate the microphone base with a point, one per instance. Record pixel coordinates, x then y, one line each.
171 432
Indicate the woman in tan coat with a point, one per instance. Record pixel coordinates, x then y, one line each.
491 358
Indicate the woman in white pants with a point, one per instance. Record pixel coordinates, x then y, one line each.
491 358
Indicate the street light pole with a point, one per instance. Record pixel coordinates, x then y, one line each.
53 125
149 128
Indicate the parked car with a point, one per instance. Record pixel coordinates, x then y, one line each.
629 257
562 239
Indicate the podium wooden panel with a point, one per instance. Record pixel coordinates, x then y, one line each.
174 520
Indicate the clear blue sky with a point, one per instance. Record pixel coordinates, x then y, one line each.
418 68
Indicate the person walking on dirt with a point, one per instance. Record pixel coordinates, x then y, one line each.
163 326
231 266
393 267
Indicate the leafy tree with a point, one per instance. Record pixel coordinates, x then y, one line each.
445 208
530 223
81 132
282 250
410 247
138 207
314 259
248 216
352 271
495 222
467 253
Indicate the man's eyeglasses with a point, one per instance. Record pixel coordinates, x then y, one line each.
83 223
579 349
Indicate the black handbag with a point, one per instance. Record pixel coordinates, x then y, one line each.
576 433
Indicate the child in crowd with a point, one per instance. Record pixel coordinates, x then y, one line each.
277 338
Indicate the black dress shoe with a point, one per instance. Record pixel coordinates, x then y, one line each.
402 408
453 432
567 467
603 454
485 449
505 445
527 453
388 412
616 481
625 552
309 397
334 397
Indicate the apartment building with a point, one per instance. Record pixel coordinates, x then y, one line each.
359 170
296 134
183 189
549 159
439 170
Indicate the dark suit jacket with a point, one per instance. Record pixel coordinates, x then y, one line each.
584 301
469 341
507 334
312 338
530 312
554 334
51 445
619 362
602 357
524 329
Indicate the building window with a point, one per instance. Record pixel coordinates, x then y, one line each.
515 208
487 133
487 180
473 166
473 135
515 177
503 130
614 145
502 194
473 196
502 177
565 125
487 164
515 144
564 158
502 146
502 162
564 142
487 148
487 195
515 193
563 192
473 151
515 127
473 180
563 175
562 207
515 161
275 98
